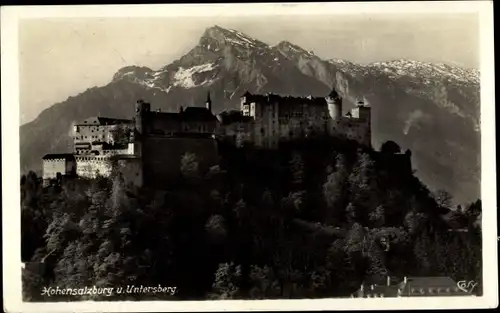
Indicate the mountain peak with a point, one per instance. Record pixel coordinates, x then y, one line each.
288 48
227 36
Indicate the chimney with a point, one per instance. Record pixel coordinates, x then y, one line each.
405 280
388 280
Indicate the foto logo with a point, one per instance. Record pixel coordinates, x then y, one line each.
466 286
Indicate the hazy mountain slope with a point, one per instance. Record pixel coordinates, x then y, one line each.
432 109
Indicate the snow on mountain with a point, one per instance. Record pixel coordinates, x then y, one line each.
184 77
241 38
427 70
287 47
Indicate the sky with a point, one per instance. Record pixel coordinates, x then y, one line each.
62 57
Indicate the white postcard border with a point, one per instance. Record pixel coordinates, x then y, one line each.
11 168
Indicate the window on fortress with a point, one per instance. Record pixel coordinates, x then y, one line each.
262 131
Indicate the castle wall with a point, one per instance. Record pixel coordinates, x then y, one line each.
162 156
237 133
287 118
53 166
91 166
159 123
131 170
162 123
352 128
199 127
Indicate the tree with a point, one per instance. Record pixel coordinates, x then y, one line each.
473 213
190 166
297 168
226 282
216 228
294 203
351 214
355 238
443 198
377 217
414 221
334 190
390 147
120 135
264 283
364 186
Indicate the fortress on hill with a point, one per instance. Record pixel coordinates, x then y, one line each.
149 147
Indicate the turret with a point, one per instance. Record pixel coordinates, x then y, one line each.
362 111
334 102
141 112
208 103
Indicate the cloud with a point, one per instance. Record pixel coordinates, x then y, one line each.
414 116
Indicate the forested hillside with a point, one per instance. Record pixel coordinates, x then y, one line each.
313 219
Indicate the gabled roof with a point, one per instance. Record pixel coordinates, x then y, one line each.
99 121
56 156
333 94
431 281
246 94
387 291
197 114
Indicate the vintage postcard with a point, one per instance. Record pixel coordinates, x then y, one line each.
312 156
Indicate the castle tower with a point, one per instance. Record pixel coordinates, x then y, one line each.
208 103
362 111
334 102
141 112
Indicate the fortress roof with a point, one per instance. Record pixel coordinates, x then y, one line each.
99 121
189 114
233 116
124 157
198 114
56 156
334 94
273 98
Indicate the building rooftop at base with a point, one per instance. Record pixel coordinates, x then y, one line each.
56 156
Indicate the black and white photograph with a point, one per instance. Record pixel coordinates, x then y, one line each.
203 154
